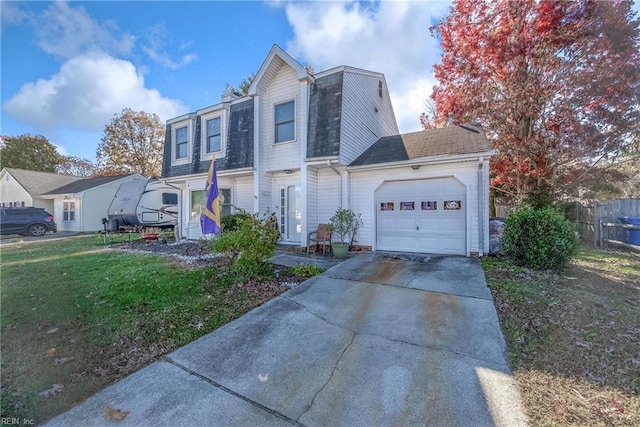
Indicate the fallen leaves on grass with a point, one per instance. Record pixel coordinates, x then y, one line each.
55 389
114 414
51 351
62 360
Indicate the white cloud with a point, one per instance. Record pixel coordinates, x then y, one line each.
66 32
85 94
388 37
10 13
157 37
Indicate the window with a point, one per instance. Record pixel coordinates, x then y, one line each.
199 201
430 206
225 202
407 206
169 199
452 205
285 122
386 206
68 210
182 147
214 138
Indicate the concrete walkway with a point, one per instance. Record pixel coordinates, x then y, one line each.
376 340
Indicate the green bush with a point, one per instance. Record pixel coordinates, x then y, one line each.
250 245
538 238
306 270
232 222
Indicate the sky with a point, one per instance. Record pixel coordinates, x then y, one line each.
67 68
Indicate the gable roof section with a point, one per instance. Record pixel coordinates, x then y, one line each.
37 183
274 60
85 184
452 140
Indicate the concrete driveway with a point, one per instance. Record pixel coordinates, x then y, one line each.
378 340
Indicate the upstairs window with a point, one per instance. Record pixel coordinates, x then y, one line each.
214 138
182 147
285 122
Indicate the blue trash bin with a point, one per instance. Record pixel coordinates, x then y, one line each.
632 236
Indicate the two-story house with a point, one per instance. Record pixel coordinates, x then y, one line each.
300 145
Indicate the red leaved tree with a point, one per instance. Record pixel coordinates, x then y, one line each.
555 84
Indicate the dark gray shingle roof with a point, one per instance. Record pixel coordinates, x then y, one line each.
452 140
85 184
38 183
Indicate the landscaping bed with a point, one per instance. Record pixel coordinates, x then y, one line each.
573 339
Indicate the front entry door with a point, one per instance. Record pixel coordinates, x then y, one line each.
290 213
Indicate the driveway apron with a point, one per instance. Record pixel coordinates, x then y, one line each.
381 339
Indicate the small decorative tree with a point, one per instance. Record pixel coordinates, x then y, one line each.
344 224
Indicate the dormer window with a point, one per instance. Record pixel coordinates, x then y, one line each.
182 143
285 124
214 135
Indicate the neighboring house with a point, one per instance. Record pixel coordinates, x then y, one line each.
76 203
19 187
80 206
301 145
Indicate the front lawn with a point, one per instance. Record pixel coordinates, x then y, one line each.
76 317
573 340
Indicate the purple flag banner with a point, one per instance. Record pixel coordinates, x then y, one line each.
210 218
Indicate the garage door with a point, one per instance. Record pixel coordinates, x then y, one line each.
426 216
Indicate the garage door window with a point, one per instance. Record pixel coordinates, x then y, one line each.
430 206
407 206
386 206
452 205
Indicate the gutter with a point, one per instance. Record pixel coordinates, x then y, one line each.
424 161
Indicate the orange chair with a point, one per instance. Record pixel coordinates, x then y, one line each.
322 236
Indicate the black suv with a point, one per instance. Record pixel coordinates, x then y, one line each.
31 221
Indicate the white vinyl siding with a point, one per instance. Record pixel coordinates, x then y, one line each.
323 196
284 87
366 116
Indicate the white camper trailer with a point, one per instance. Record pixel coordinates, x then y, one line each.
144 203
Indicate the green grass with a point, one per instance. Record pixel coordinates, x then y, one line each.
111 312
573 339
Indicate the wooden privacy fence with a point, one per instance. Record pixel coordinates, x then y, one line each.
599 222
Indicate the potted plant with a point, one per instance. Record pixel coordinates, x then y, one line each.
150 233
344 224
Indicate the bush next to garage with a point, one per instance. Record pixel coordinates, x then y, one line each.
538 238
250 245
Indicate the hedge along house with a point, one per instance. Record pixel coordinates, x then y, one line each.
301 145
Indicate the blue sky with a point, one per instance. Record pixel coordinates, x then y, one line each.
68 67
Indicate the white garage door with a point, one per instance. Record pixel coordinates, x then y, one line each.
426 216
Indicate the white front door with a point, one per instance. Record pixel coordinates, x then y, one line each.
426 216
290 217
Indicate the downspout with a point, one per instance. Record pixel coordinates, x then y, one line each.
481 212
333 168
